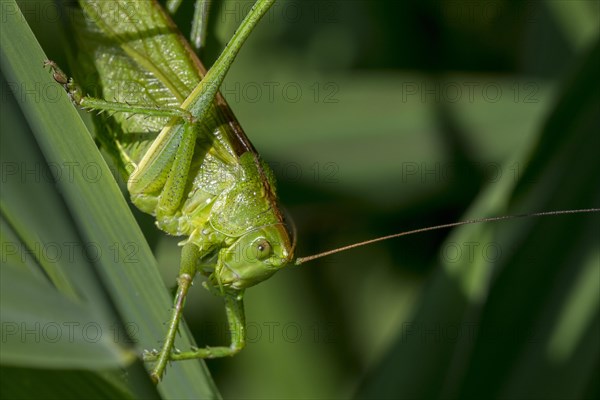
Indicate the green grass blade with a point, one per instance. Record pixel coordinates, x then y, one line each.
43 256
46 329
96 206
59 384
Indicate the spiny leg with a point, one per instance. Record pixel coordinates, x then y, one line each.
94 104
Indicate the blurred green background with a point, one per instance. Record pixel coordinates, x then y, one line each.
384 116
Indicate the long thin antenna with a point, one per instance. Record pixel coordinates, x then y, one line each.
301 260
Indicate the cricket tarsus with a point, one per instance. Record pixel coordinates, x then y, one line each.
302 260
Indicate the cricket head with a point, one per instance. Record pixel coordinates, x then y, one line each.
255 256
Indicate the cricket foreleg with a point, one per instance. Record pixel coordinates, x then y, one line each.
89 103
234 308
236 322
189 258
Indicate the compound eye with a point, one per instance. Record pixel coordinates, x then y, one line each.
263 249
